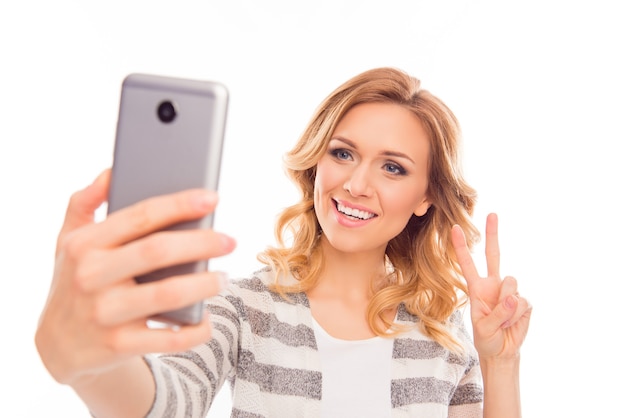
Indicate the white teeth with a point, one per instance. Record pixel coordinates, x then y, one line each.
355 213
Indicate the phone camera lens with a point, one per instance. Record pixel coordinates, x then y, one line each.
166 111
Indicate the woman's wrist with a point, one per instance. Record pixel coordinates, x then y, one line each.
105 396
499 362
499 368
502 389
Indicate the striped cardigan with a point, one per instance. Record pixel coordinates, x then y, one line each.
265 347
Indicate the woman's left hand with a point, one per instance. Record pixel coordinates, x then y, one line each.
500 316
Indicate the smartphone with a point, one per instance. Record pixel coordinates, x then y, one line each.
169 138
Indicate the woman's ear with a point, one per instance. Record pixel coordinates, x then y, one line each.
422 208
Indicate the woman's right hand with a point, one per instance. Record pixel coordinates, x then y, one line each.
95 316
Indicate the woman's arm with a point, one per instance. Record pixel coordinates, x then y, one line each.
127 390
92 332
502 391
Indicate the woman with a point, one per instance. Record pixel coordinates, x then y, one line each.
357 316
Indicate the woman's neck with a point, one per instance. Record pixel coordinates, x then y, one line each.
350 274
343 291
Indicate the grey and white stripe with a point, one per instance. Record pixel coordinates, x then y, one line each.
265 346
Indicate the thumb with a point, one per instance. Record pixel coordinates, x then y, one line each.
83 204
499 316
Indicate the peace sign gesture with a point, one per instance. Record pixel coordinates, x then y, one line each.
500 317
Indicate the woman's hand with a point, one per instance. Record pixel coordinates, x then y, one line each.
95 316
500 317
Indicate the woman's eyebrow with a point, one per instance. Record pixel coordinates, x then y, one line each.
344 140
386 153
397 155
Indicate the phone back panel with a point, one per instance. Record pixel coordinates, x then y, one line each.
153 157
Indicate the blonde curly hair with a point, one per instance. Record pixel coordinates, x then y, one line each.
424 274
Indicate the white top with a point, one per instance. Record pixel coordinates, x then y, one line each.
355 376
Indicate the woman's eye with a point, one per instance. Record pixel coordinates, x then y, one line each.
394 169
341 154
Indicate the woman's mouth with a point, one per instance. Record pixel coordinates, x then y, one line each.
353 212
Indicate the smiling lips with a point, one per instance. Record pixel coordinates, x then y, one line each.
354 213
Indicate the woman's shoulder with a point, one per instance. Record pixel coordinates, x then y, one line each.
252 300
456 320
415 344
259 282
258 290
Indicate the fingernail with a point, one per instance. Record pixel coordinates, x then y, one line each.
509 302
97 180
205 200
228 242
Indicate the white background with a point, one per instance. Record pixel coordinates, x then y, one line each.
537 85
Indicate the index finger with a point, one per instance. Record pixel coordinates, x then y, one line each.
492 247
83 204
464 256
151 215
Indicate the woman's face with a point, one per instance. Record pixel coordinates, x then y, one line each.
372 178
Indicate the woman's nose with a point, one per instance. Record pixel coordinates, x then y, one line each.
358 182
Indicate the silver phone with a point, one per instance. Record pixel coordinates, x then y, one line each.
169 138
